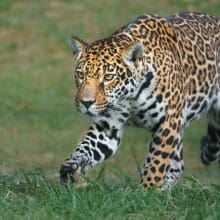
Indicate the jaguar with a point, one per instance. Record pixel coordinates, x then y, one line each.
157 73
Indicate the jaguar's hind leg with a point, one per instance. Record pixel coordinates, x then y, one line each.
210 144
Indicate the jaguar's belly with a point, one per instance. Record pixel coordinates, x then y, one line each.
199 104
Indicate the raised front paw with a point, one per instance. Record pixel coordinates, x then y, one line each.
71 170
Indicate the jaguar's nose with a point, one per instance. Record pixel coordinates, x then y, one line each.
87 104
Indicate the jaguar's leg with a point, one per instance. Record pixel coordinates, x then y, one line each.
210 144
164 163
99 143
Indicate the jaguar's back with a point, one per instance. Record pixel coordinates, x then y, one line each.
198 38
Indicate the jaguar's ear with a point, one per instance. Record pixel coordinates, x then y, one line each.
77 45
132 53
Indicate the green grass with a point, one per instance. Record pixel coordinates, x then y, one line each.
32 196
39 125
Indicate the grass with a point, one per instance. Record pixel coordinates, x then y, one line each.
33 196
39 125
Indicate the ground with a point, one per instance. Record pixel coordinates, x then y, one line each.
39 125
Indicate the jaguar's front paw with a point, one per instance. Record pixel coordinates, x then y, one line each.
71 170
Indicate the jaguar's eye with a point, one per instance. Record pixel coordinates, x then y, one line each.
80 75
109 77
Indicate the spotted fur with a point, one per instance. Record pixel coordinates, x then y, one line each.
155 73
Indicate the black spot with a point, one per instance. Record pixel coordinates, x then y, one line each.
170 140
88 150
163 89
203 107
156 162
172 155
148 160
153 169
162 119
168 167
154 115
175 142
148 178
96 155
81 151
164 155
166 132
125 114
176 158
113 134
125 92
105 150
106 114
157 140
153 105
159 98
200 99
122 76
195 106
167 94
105 125
145 173
92 143
157 153
157 179
101 137
149 97
121 120
149 77
162 168
182 167
99 127
90 134
140 115
181 154
190 116
174 125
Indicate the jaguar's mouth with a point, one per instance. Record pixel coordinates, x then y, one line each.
93 112
105 111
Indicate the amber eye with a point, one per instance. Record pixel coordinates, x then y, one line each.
109 77
80 75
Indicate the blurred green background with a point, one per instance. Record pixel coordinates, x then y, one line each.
39 125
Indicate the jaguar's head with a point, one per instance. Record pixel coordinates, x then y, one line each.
105 74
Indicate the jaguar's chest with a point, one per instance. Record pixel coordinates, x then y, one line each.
146 110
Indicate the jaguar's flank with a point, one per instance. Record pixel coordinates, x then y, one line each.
155 73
